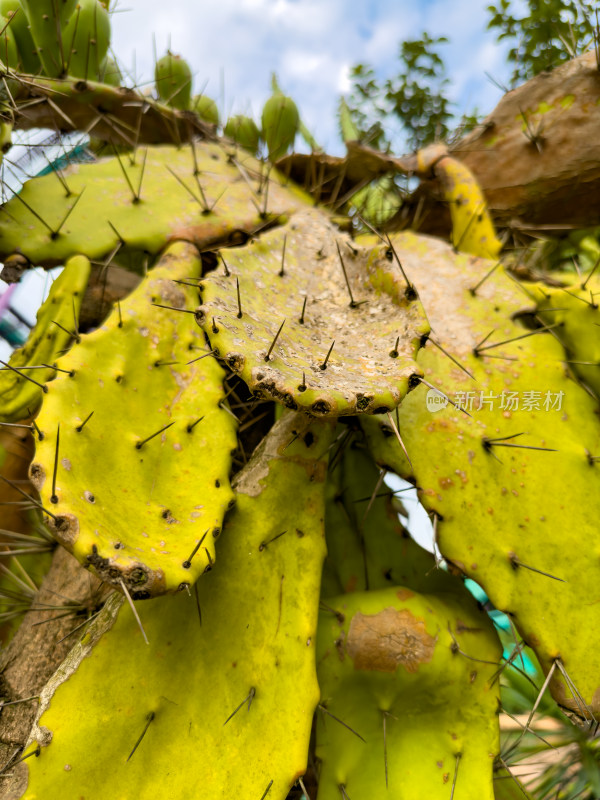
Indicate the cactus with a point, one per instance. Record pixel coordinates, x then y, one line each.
407 675
323 297
13 10
173 79
252 649
139 352
243 131
206 108
57 324
202 441
86 39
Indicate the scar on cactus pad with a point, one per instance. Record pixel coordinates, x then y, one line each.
507 464
307 318
144 521
409 675
242 678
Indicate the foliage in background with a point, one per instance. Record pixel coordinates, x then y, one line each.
549 33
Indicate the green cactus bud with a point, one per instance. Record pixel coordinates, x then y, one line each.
86 39
19 27
280 120
173 78
244 131
47 21
110 72
206 108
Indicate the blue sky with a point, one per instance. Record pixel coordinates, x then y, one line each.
311 44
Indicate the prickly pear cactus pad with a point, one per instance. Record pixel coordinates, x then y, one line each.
135 457
116 207
575 310
410 675
56 325
239 683
531 431
309 319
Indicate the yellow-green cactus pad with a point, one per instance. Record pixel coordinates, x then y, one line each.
511 515
318 324
367 545
574 311
409 674
118 208
56 325
228 702
137 480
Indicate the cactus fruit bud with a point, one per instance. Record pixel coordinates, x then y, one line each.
86 39
244 131
47 21
173 78
280 120
206 108
19 27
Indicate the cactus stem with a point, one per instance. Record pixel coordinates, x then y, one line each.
458 757
397 434
42 386
79 428
451 357
353 302
263 545
325 710
268 356
323 366
191 427
240 313
141 627
248 699
139 445
149 718
188 562
282 270
267 790
301 320
473 289
53 496
516 563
